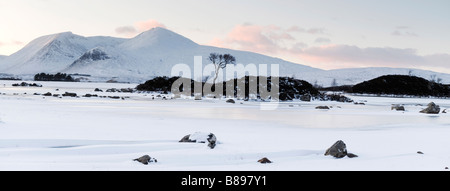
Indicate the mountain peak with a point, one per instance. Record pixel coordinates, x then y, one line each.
159 37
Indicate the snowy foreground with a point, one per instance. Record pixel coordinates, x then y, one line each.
107 134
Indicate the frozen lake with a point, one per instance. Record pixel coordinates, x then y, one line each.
52 133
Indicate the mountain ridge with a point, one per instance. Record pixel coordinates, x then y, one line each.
154 53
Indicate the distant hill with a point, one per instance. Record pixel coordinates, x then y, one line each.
402 85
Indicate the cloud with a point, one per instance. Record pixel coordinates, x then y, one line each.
322 40
404 31
126 30
345 56
149 24
261 39
12 43
269 39
305 30
138 27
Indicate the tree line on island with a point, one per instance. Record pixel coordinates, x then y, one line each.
397 85
59 77
291 88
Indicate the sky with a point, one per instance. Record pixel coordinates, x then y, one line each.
327 34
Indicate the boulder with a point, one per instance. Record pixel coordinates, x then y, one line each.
186 139
200 137
322 107
68 94
431 109
231 101
146 159
337 150
264 161
398 107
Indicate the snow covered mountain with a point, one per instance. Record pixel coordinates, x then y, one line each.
52 53
154 53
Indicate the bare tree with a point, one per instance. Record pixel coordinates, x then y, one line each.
334 83
433 78
220 62
410 72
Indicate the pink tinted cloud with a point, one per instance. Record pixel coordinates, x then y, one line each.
13 43
346 56
147 25
256 38
138 27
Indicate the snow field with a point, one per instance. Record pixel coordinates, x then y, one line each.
107 134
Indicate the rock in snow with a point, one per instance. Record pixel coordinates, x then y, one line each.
398 107
231 101
322 107
431 109
264 161
200 137
146 159
339 150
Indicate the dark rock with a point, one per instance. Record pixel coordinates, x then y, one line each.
90 95
47 94
351 155
146 159
322 107
264 160
200 137
420 152
431 109
68 94
212 141
186 139
231 101
338 150
98 90
398 107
